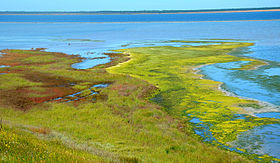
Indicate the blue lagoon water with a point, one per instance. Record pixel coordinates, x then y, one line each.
256 84
143 17
92 40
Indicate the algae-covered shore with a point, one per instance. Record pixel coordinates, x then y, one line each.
136 111
184 93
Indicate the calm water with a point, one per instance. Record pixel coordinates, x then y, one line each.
142 17
256 84
261 140
91 40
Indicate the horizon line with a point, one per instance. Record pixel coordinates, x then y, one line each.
146 11
139 22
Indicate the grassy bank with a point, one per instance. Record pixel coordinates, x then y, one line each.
184 94
118 123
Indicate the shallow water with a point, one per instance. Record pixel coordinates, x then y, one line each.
202 129
262 84
78 95
3 66
260 140
251 84
272 72
268 115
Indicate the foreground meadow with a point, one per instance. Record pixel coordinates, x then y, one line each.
137 108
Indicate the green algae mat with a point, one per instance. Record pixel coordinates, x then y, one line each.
137 108
183 93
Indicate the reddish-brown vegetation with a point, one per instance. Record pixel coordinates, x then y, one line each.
24 98
27 66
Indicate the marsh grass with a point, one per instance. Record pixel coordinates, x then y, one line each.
183 93
20 146
256 106
121 124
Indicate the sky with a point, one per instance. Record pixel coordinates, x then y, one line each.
131 5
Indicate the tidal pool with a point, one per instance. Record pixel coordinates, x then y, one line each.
202 129
90 63
81 94
3 66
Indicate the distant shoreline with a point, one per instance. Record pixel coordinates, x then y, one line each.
143 12
214 21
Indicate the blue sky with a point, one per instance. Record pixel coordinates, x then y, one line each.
97 5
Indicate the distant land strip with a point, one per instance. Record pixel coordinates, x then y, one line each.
141 12
138 22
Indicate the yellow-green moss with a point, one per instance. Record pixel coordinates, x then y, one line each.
183 92
121 126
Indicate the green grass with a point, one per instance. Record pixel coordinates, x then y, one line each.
12 81
122 124
21 146
40 59
126 130
183 93
256 106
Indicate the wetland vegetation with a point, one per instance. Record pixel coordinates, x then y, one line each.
142 111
